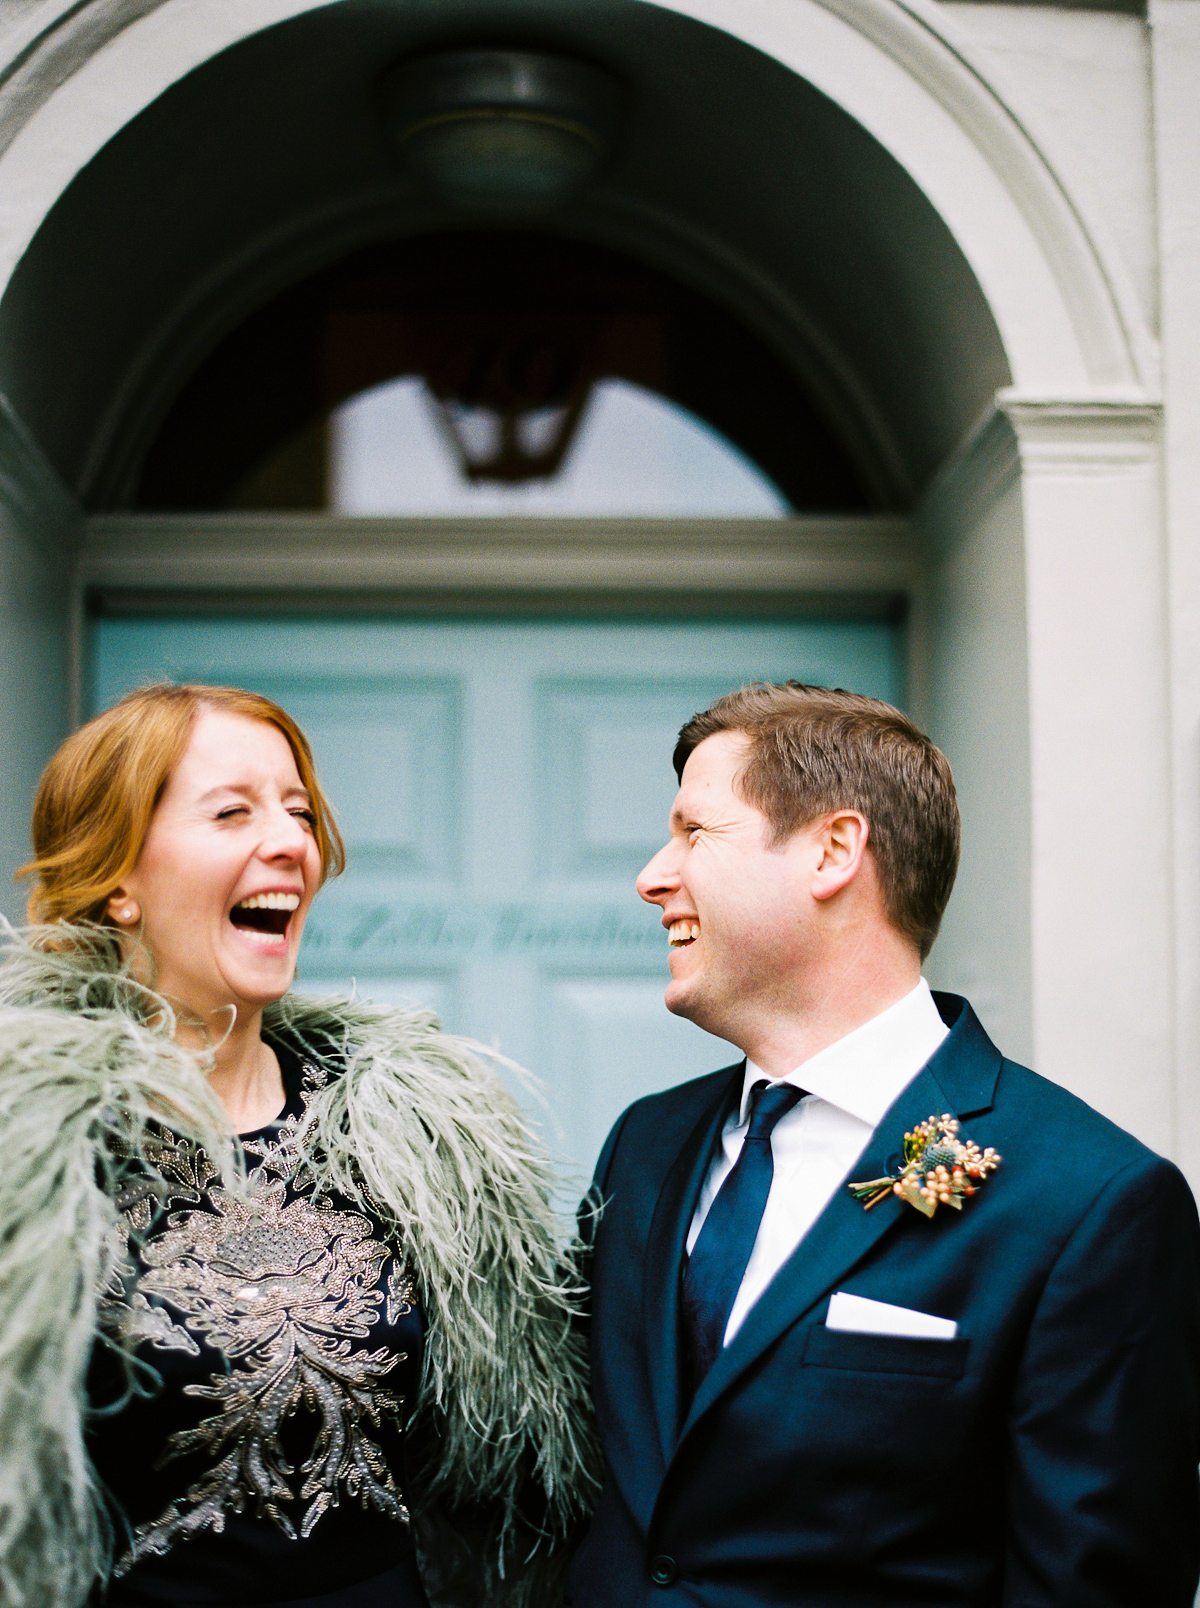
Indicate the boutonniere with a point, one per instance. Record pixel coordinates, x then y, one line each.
939 1169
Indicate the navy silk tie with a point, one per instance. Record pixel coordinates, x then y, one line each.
717 1265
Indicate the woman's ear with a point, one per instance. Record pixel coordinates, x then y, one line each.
123 908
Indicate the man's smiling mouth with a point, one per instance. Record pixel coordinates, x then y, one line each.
265 913
682 933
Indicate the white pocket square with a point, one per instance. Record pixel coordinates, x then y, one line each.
855 1314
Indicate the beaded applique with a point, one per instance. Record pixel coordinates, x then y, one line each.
282 1285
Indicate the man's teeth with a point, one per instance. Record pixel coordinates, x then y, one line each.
682 932
269 901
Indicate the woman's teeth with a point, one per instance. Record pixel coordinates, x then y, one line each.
269 901
264 916
682 932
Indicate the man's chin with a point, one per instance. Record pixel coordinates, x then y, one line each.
683 998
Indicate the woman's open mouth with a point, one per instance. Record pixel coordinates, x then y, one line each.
264 917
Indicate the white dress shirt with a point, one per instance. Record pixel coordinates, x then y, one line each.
850 1085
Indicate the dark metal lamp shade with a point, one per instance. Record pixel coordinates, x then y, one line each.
502 131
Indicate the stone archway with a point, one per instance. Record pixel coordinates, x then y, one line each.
973 340
82 73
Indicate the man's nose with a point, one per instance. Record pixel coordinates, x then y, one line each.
660 876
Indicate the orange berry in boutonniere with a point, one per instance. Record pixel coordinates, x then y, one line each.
939 1168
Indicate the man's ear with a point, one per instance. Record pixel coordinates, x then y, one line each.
842 842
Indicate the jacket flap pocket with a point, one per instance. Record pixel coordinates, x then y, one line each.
884 1353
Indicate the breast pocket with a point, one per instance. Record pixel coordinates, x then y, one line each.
883 1353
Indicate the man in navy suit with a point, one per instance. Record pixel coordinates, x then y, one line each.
969 1383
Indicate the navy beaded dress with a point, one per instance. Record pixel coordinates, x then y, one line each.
257 1454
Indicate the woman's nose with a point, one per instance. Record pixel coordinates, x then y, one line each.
287 837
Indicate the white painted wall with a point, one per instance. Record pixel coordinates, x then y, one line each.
978 713
1048 676
1080 83
39 529
1100 765
1175 31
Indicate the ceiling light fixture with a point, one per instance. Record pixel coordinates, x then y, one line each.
501 131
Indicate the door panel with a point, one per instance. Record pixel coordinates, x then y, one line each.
605 755
500 786
392 748
611 1040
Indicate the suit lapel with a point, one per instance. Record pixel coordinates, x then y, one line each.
664 1261
959 1078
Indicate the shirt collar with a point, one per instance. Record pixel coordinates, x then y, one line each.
863 1072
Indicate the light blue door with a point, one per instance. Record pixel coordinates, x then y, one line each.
500 786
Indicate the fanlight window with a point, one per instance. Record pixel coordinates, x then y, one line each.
397 450
496 372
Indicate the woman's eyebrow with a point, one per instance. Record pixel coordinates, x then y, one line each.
251 787
226 787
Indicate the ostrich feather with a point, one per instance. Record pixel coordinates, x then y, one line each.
414 1119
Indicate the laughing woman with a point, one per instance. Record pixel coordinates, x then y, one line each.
282 1317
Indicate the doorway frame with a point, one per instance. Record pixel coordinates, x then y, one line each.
866 566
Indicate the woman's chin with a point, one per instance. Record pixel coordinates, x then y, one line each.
257 972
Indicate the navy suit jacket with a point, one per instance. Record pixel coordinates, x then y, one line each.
1048 1455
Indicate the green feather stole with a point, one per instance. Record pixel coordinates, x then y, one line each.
418 1118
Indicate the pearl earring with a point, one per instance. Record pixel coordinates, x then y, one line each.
127 913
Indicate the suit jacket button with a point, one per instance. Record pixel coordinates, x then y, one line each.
664 1571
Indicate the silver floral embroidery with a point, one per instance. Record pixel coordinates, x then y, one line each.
282 1288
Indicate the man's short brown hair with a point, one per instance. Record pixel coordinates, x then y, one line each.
813 751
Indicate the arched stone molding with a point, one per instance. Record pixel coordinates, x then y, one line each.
1045 584
929 46
78 73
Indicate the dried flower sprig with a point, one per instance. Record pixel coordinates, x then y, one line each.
939 1169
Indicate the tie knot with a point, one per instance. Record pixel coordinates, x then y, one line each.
769 1102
